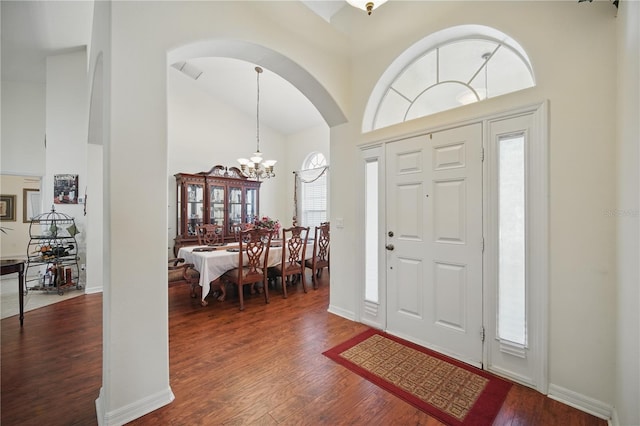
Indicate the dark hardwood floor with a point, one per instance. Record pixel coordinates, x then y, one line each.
261 366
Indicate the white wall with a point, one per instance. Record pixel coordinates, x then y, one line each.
627 214
66 128
204 132
23 128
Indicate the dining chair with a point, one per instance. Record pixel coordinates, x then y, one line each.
180 272
320 258
253 257
238 228
209 234
291 264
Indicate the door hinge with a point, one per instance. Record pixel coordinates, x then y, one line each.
482 244
482 334
482 154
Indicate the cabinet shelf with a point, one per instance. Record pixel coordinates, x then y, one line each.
227 198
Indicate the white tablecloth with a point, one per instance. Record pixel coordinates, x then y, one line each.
212 264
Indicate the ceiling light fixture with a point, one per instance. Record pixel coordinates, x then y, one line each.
366 5
255 167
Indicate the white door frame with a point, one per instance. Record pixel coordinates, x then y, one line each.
536 251
373 314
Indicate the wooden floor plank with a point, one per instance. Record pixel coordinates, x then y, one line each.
262 366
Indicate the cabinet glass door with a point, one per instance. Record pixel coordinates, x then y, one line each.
235 208
216 207
251 205
195 207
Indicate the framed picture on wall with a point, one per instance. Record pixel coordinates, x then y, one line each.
30 204
8 208
65 189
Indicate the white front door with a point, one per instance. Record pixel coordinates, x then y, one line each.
434 241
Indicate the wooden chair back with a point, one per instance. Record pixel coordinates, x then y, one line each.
253 258
254 248
180 272
238 228
295 246
294 251
209 234
320 257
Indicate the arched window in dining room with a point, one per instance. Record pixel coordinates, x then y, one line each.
312 190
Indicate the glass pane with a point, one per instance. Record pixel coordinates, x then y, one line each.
418 76
371 231
314 202
251 204
216 210
195 207
507 73
512 319
438 98
179 210
459 61
391 110
235 208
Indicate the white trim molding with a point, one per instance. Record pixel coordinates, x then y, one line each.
132 411
581 402
350 315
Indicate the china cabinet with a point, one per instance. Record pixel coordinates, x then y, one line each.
221 196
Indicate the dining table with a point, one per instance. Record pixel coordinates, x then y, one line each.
213 261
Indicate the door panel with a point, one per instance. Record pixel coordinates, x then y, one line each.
434 271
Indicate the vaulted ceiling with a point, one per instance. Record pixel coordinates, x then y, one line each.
33 30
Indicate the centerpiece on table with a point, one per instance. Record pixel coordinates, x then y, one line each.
268 223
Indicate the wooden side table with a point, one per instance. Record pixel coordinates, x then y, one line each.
11 266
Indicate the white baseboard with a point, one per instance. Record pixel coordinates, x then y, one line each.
342 313
93 290
132 411
614 421
581 402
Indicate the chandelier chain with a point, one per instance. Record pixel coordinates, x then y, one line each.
258 71
255 167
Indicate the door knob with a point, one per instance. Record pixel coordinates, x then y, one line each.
389 247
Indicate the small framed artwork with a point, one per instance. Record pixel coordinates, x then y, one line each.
30 204
65 189
8 208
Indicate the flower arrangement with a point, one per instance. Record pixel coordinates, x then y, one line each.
268 223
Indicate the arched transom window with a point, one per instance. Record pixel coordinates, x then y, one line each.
446 70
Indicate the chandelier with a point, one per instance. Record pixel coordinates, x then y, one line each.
255 167
366 5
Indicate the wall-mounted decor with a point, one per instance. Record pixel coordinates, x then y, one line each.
30 204
65 189
8 208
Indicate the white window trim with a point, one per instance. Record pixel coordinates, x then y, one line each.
537 250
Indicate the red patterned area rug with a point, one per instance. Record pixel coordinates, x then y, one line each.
451 391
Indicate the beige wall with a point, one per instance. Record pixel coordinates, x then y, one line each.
16 236
627 215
